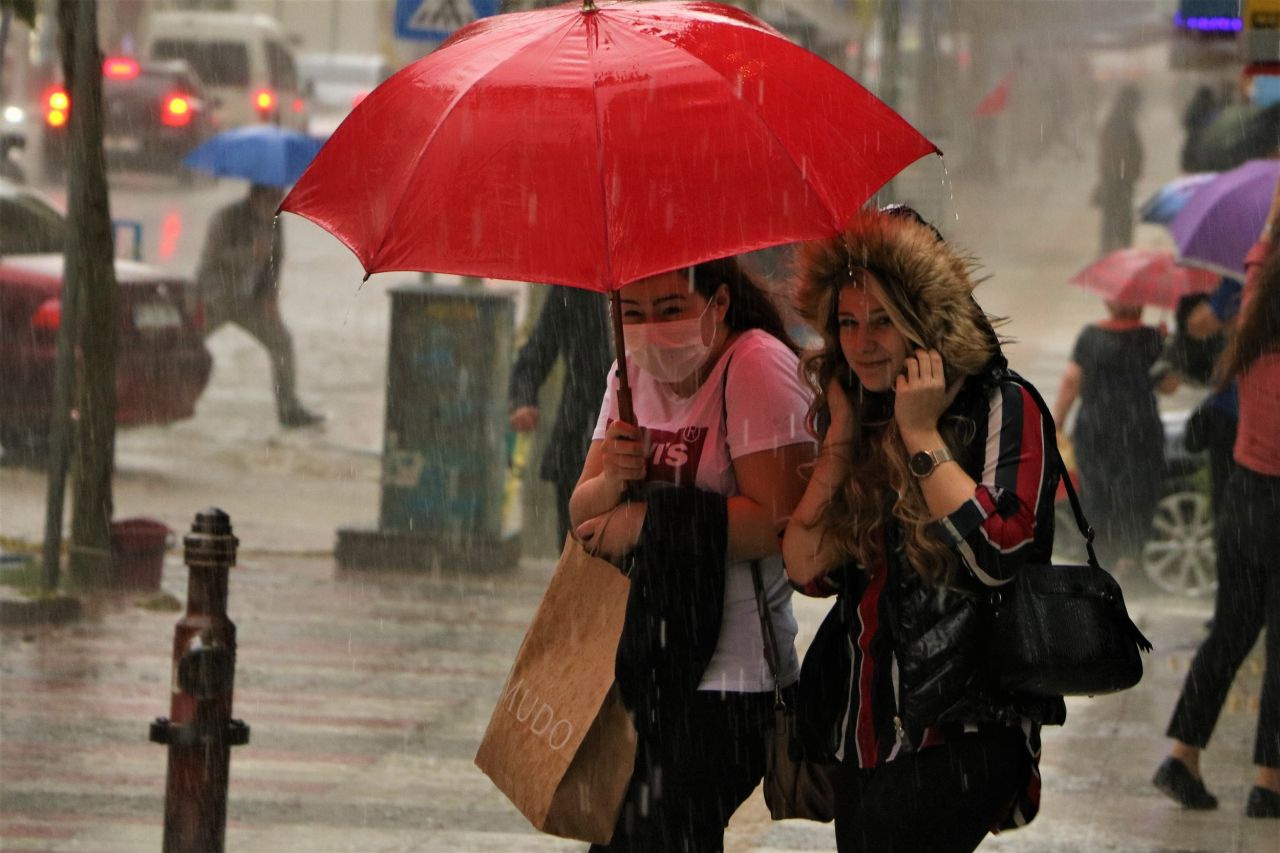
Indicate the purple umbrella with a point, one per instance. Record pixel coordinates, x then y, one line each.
1224 217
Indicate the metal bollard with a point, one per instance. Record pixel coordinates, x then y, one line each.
199 730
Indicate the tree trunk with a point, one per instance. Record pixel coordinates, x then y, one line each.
90 279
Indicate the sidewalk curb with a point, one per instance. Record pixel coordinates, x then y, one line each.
19 611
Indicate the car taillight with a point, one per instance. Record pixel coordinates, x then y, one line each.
120 68
264 100
176 112
48 316
57 106
297 105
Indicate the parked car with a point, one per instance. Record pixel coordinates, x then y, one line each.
336 82
154 113
1178 555
163 364
244 59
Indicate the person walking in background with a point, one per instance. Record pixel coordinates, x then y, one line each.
1248 597
1202 334
1118 435
1119 167
931 486
239 282
1199 114
572 326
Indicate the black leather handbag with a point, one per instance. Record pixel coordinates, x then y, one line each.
1063 630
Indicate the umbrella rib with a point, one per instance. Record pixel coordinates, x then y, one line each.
595 106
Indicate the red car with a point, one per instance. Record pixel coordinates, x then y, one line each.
163 364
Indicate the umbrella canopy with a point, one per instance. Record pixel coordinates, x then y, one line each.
1224 218
1143 277
598 146
1166 202
259 153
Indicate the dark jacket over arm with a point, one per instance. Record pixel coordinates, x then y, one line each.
675 607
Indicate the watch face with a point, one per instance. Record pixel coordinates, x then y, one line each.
921 463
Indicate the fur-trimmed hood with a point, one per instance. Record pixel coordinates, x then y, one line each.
929 284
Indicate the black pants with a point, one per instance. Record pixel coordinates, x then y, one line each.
945 798
686 787
1248 599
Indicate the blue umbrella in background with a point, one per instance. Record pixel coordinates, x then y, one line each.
258 153
1166 202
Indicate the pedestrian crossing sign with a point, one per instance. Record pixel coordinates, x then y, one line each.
435 20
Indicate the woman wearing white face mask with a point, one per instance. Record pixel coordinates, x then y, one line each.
716 387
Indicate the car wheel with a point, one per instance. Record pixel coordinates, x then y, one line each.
1178 556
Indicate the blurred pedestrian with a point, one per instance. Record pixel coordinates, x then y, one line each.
1199 114
692 499
1248 597
239 282
1119 167
572 326
1118 436
1202 325
931 486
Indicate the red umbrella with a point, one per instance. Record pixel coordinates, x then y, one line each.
594 147
1143 277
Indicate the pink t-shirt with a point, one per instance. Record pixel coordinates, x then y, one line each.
1258 433
762 402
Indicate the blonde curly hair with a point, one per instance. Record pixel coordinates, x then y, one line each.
927 291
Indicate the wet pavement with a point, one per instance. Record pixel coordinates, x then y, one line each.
367 693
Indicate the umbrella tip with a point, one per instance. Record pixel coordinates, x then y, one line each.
589 6
366 277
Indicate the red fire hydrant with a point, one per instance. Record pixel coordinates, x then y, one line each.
199 730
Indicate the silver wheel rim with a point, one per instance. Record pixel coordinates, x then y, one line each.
1179 556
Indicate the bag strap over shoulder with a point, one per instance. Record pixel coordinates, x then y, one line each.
1055 457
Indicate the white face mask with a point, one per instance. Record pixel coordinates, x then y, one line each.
668 351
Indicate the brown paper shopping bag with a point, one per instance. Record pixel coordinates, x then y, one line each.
560 744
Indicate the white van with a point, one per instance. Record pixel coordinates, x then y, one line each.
243 59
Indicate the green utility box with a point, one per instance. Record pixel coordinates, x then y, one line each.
446 499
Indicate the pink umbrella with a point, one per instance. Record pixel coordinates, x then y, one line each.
1143 277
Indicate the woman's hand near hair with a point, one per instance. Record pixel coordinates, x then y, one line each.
921 396
806 551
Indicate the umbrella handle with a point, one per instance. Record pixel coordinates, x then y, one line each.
626 412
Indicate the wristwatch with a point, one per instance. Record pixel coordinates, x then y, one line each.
923 463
